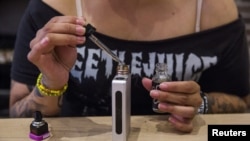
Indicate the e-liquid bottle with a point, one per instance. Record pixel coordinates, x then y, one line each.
39 128
161 75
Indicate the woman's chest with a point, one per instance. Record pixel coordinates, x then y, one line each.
145 23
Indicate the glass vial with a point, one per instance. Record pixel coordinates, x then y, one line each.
161 75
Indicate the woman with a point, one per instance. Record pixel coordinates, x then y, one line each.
203 45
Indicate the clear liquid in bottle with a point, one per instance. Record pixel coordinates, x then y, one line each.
161 75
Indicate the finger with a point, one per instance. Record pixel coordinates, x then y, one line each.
177 98
70 25
67 19
181 92
47 44
169 97
36 51
180 86
147 83
64 28
181 124
57 40
65 25
183 111
65 39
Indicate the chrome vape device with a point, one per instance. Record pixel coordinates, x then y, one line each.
121 85
121 104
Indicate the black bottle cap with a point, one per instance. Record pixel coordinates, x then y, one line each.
89 30
38 116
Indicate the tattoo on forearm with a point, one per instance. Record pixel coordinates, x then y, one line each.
225 104
25 104
25 108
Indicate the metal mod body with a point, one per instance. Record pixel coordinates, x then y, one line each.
120 92
121 107
161 75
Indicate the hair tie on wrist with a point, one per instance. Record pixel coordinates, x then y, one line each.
48 92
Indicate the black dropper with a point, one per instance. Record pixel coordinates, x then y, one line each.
89 34
38 116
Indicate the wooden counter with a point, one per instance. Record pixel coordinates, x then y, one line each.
143 128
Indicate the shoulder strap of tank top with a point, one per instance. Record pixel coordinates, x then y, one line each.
198 15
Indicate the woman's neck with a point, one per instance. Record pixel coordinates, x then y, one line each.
66 7
141 19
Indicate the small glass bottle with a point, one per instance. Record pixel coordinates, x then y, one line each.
161 75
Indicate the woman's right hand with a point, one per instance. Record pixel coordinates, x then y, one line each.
53 50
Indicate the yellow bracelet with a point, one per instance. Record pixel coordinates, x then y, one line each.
48 92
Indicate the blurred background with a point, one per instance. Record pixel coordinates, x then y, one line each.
10 14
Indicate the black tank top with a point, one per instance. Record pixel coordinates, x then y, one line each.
217 59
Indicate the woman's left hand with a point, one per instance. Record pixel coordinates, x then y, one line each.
179 98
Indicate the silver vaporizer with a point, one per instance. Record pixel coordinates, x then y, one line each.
121 107
121 85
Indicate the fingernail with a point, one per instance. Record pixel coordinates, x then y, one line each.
163 106
79 30
154 93
80 39
80 21
164 85
171 120
44 41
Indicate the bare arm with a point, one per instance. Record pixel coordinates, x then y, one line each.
226 103
25 99
53 52
216 13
